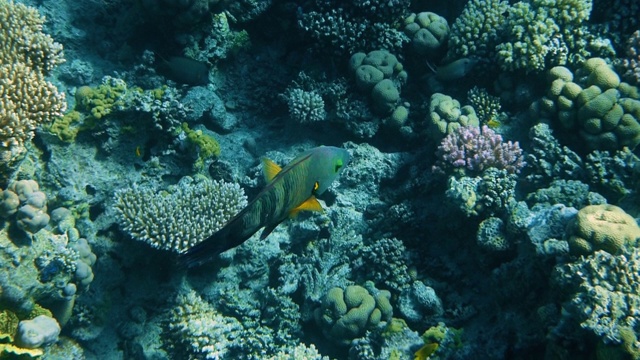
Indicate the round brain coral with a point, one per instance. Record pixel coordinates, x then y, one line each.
602 227
347 314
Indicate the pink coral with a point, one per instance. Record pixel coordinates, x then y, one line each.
471 149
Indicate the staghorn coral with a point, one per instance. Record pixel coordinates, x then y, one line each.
179 219
27 55
487 194
476 32
351 26
304 106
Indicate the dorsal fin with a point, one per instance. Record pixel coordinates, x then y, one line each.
270 169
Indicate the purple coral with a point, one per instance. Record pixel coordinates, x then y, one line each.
475 149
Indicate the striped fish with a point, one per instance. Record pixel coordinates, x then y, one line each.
289 190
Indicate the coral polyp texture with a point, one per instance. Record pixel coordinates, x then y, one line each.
594 103
472 149
181 217
27 56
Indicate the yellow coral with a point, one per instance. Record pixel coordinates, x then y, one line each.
602 227
28 100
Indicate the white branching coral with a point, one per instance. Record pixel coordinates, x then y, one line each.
27 100
180 218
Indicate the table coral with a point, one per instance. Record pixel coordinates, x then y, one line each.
185 215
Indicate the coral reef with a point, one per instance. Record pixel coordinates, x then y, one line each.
27 56
593 103
472 150
601 295
186 214
602 227
446 116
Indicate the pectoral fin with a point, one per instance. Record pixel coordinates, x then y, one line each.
311 204
270 169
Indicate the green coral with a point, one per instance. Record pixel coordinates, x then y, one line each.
604 112
347 314
528 35
103 99
206 146
66 128
446 115
379 73
477 31
428 33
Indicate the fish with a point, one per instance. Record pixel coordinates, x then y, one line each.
288 191
185 70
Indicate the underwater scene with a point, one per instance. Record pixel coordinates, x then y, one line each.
317 179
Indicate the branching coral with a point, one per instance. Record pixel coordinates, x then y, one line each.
472 150
27 55
175 221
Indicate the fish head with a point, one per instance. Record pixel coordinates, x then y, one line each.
326 164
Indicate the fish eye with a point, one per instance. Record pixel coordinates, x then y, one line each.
338 165
316 186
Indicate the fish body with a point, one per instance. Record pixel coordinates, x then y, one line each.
185 70
288 191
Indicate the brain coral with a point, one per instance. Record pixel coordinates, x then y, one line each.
347 314
602 227
26 56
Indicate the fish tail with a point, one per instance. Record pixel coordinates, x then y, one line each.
205 251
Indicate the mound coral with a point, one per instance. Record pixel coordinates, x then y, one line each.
594 103
347 314
602 227
446 115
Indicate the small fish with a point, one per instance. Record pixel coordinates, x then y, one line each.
456 69
289 190
185 70
426 351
